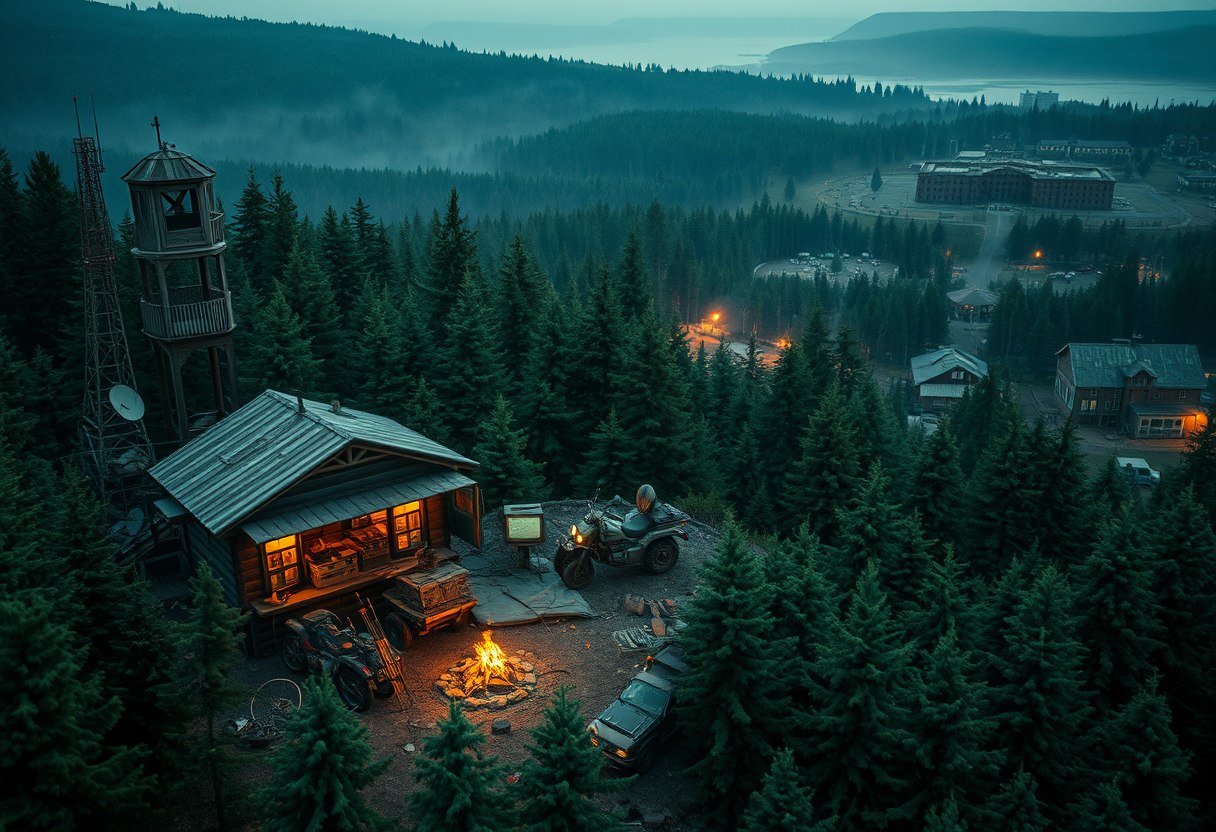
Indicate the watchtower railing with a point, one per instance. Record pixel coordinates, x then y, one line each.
194 318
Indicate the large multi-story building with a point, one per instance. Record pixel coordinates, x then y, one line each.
1042 100
1037 184
1094 150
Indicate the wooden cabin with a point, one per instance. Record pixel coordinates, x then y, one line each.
297 505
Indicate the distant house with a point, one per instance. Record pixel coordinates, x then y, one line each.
289 496
941 376
1197 180
1093 150
1147 390
972 303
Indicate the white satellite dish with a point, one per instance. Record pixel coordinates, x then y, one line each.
127 402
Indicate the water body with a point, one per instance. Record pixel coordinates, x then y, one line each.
1139 93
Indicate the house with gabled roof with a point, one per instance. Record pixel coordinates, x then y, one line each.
940 377
1146 390
297 505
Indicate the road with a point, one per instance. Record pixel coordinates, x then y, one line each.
987 264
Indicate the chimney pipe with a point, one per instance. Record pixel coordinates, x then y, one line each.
299 403
336 407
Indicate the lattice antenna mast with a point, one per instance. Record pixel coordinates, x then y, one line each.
116 446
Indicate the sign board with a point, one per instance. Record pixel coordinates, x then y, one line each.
523 524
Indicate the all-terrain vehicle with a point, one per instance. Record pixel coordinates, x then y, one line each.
618 535
317 642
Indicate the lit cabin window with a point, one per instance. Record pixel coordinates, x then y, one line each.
407 526
180 209
282 559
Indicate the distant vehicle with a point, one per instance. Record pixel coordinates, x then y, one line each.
1138 471
631 729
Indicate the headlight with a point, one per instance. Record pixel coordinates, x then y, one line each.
622 753
595 740
573 530
578 538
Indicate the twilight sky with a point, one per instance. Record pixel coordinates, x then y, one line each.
566 12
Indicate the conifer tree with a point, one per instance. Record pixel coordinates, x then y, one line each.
609 462
1064 508
945 602
937 490
954 733
1198 466
59 771
869 532
944 817
634 281
524 294
1110 490
1102 809
461 788
425 413
1002 514
823 480
320 770
733 691
249 229
651 402
468 372
207 651
600 352
308 292
877 437
723 388
506 474
784 406
374 376
338 258
48 251
281 233
862 763
1117 611
1040 703
10 226
782 802
281 352
558 785
1139 749
1015 807
453 259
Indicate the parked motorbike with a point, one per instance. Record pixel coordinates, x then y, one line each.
620 535
317 642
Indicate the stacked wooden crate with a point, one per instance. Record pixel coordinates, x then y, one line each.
336 566
434 588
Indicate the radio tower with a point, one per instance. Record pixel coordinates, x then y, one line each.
115 443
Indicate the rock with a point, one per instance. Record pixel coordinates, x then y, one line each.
635 604
455 693
658 627
528 679
497 702
500 726
516 695
447 677
518 653
409 746
525 667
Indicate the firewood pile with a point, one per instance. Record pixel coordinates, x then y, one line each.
490 678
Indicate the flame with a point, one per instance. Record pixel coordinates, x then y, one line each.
716 316
491 661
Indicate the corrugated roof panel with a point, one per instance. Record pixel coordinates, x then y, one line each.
355 504
943 391
931 364
1103 365
167 165
266 446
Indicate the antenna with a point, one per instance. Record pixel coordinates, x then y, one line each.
156 124
96 129
76 107
128 402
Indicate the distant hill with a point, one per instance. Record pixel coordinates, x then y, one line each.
1177 55
1056 24
239 88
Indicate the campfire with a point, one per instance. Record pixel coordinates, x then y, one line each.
489 678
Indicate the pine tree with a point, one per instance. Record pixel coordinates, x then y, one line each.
1015 807
1117 611
877 436
48 251
876 180
600 352
784 405
281 234
249 229
937 490
782 802
320 770
954 732
10 227
338 258
869 532
308 292
207 651
461 789
609 463
468 373
58 770
1002 514
1040 704
506 474
374 376
862 762
424 413
281 353
1137 745
733 691
944 602
1064 513
453 261
524 294
652 404
559 783
1110 490
944 817
1102 809
823 480
634 282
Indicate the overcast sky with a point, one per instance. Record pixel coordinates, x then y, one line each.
566 11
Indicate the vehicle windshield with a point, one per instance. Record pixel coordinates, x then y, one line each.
647 698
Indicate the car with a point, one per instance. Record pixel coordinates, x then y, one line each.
1138 471
631 730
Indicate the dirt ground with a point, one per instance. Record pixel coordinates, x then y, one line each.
580 653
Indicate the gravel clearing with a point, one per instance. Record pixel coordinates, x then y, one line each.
579 652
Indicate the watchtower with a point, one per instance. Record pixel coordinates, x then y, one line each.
185 303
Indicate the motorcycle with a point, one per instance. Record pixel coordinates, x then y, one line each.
618 535
318 643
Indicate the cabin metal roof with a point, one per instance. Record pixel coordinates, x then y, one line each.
1109 365
168 165
933 364
257 453
973 296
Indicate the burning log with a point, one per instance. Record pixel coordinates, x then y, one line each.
488 678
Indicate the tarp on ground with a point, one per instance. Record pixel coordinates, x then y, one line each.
520 595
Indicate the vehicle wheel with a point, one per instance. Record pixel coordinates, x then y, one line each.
398 631
384 690
561 560
645 761
293 653
578 572
353 689
661 556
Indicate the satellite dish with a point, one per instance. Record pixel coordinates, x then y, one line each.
127 402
